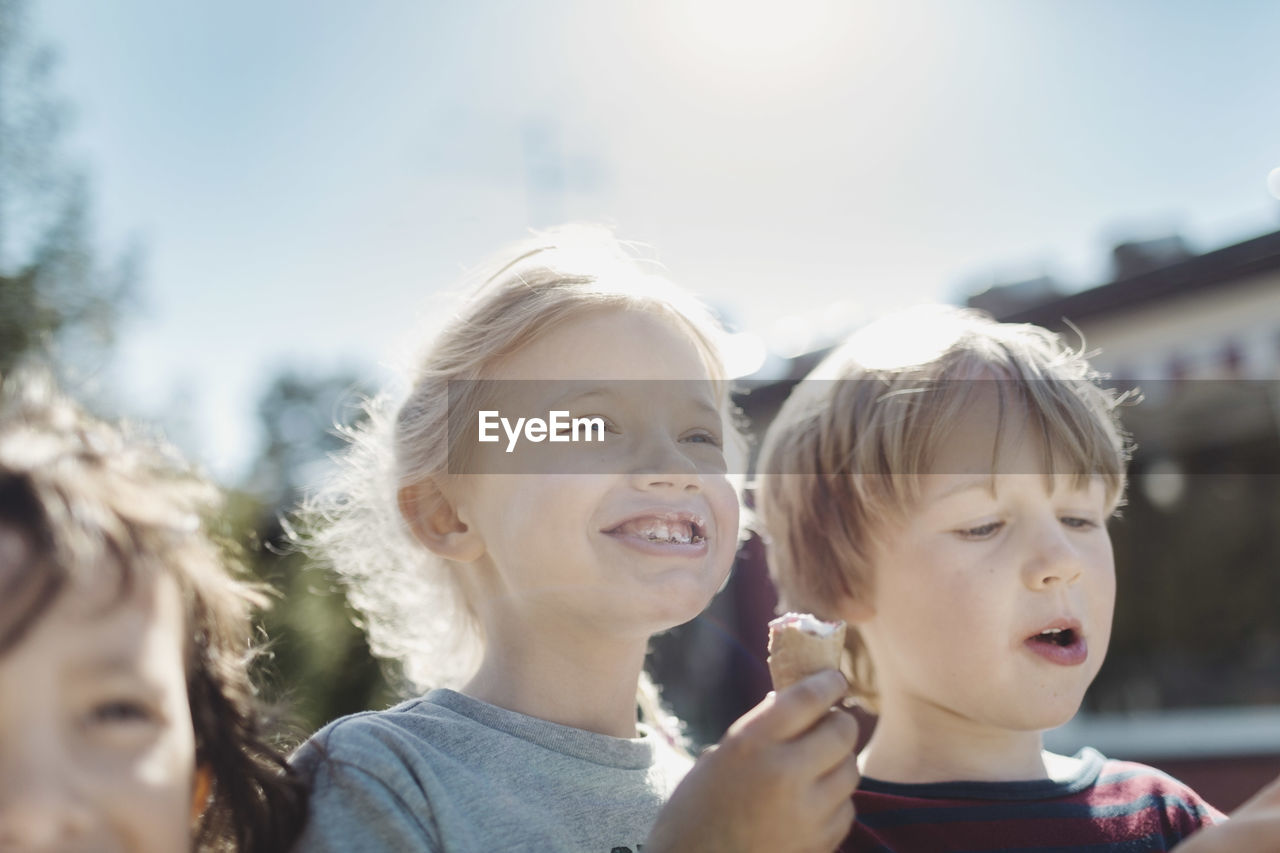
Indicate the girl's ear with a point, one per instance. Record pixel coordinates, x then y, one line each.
200 792
434 520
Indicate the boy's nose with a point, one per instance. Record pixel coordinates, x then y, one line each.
1052 562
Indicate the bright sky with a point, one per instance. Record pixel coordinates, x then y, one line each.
303 175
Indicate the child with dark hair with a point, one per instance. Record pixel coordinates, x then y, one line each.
127 717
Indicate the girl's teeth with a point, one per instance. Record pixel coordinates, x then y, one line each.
669 533
658 531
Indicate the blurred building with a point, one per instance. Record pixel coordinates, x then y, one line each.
1169 314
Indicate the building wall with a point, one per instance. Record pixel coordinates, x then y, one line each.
1194 330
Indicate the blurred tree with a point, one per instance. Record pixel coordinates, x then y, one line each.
60 304
298 415
320 666
56 298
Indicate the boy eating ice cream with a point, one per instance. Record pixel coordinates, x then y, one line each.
950 504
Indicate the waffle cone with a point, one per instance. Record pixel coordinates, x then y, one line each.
795 654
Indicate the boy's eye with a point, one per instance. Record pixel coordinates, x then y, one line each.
982 531
1078 523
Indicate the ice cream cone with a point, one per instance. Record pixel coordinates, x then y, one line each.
800 645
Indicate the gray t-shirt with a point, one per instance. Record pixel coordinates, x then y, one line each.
450 773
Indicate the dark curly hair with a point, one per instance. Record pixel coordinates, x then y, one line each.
86 495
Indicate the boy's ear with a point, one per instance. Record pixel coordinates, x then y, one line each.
434 520
200 792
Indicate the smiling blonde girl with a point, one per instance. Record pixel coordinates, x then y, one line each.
520 589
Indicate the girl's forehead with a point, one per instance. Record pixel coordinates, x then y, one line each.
537 397
608 344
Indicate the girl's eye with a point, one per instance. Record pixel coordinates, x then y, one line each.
588 428
982 531
1078 523
704 437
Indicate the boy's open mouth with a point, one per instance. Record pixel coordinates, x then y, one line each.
1061 642
1055 636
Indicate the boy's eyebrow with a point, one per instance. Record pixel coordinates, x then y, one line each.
985 482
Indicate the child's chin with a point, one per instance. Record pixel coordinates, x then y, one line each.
1050 715
681 597
675 612
675 616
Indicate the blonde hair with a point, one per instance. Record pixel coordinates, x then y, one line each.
834 465
414 609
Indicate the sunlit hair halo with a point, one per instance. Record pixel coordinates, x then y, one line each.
415 610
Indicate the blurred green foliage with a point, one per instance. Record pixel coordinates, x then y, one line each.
59 306
318 666
58 300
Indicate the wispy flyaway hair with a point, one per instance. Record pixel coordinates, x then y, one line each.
416 611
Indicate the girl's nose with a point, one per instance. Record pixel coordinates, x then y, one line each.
660 463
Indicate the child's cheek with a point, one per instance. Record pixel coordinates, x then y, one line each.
170 763
160 795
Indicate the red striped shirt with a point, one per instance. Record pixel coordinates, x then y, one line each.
1107 806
